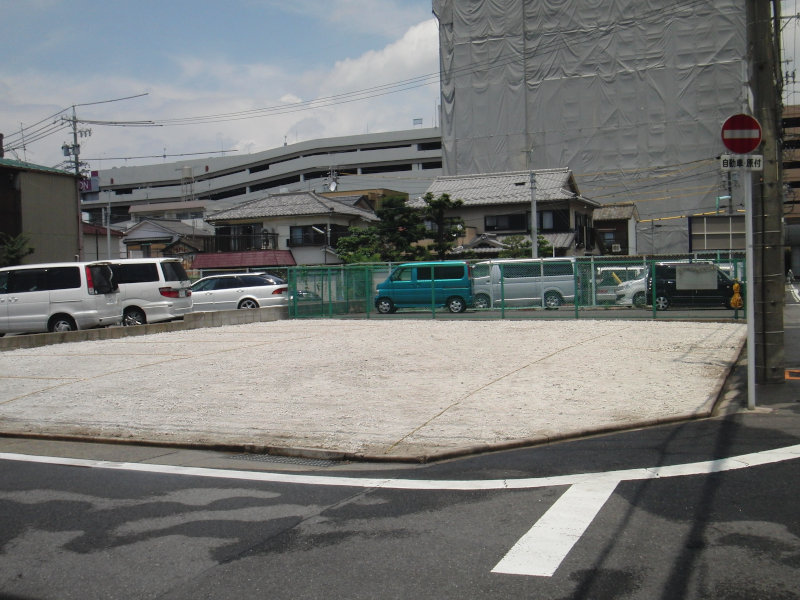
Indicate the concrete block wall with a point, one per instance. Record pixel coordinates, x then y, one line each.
196 320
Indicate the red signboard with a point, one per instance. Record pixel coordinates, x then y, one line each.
741 133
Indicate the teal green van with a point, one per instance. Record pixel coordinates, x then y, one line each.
423 284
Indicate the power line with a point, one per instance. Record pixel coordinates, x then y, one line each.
548 46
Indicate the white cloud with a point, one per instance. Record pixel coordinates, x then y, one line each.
219 87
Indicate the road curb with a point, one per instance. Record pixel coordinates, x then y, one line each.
196 320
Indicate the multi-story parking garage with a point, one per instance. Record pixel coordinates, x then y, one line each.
404 161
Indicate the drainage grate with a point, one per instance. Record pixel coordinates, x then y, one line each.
291 460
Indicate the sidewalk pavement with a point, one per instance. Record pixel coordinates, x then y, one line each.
323 388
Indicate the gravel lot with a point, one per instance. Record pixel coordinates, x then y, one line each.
380 388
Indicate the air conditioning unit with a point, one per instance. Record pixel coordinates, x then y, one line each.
616 247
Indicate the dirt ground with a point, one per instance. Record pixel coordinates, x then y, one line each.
382 388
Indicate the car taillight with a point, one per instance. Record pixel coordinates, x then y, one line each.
169 292
89 282
279 291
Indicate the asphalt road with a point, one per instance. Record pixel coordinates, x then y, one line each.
702 509
700 529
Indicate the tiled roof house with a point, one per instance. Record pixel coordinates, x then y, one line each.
497 205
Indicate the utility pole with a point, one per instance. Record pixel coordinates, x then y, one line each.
534 220
74 150
767 217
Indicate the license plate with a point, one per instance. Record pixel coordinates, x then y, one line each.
182 294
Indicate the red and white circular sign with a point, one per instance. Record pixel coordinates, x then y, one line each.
741 133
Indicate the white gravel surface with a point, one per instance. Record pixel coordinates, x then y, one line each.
377 388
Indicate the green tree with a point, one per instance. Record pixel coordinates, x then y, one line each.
362 244
445 229
13 249
517 247
399 229
545 247
520 247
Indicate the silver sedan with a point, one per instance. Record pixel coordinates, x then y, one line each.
238 290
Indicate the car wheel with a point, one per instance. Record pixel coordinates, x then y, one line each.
456 304
553 300
134 316
60 323
662 303
248 303
482 301
639 299
385 306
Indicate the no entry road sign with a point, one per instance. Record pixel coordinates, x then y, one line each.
741 133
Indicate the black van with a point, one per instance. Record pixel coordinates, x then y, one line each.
689 284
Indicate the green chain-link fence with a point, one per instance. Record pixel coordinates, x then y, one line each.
580 287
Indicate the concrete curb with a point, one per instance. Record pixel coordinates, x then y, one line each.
196 320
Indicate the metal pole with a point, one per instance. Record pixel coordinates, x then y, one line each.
749 291
108 225
534 220
77 165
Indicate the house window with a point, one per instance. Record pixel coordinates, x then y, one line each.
546 220
517 222
432 227
308 235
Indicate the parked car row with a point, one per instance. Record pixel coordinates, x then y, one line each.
549 283
456 285
69 296
82 295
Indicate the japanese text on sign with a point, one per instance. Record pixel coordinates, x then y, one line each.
752 162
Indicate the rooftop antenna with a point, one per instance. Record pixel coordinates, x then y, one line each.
333 180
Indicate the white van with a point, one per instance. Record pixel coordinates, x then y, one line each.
548 282
58 297
152 289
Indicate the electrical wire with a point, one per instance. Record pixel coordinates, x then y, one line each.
541 51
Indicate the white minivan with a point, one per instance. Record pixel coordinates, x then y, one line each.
58 297
548 282
152 289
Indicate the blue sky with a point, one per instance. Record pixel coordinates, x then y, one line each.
205 58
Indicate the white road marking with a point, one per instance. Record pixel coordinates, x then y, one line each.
540 551
698 468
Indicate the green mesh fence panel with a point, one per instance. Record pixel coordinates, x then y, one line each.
568 287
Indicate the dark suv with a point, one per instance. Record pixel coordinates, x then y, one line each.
689 284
